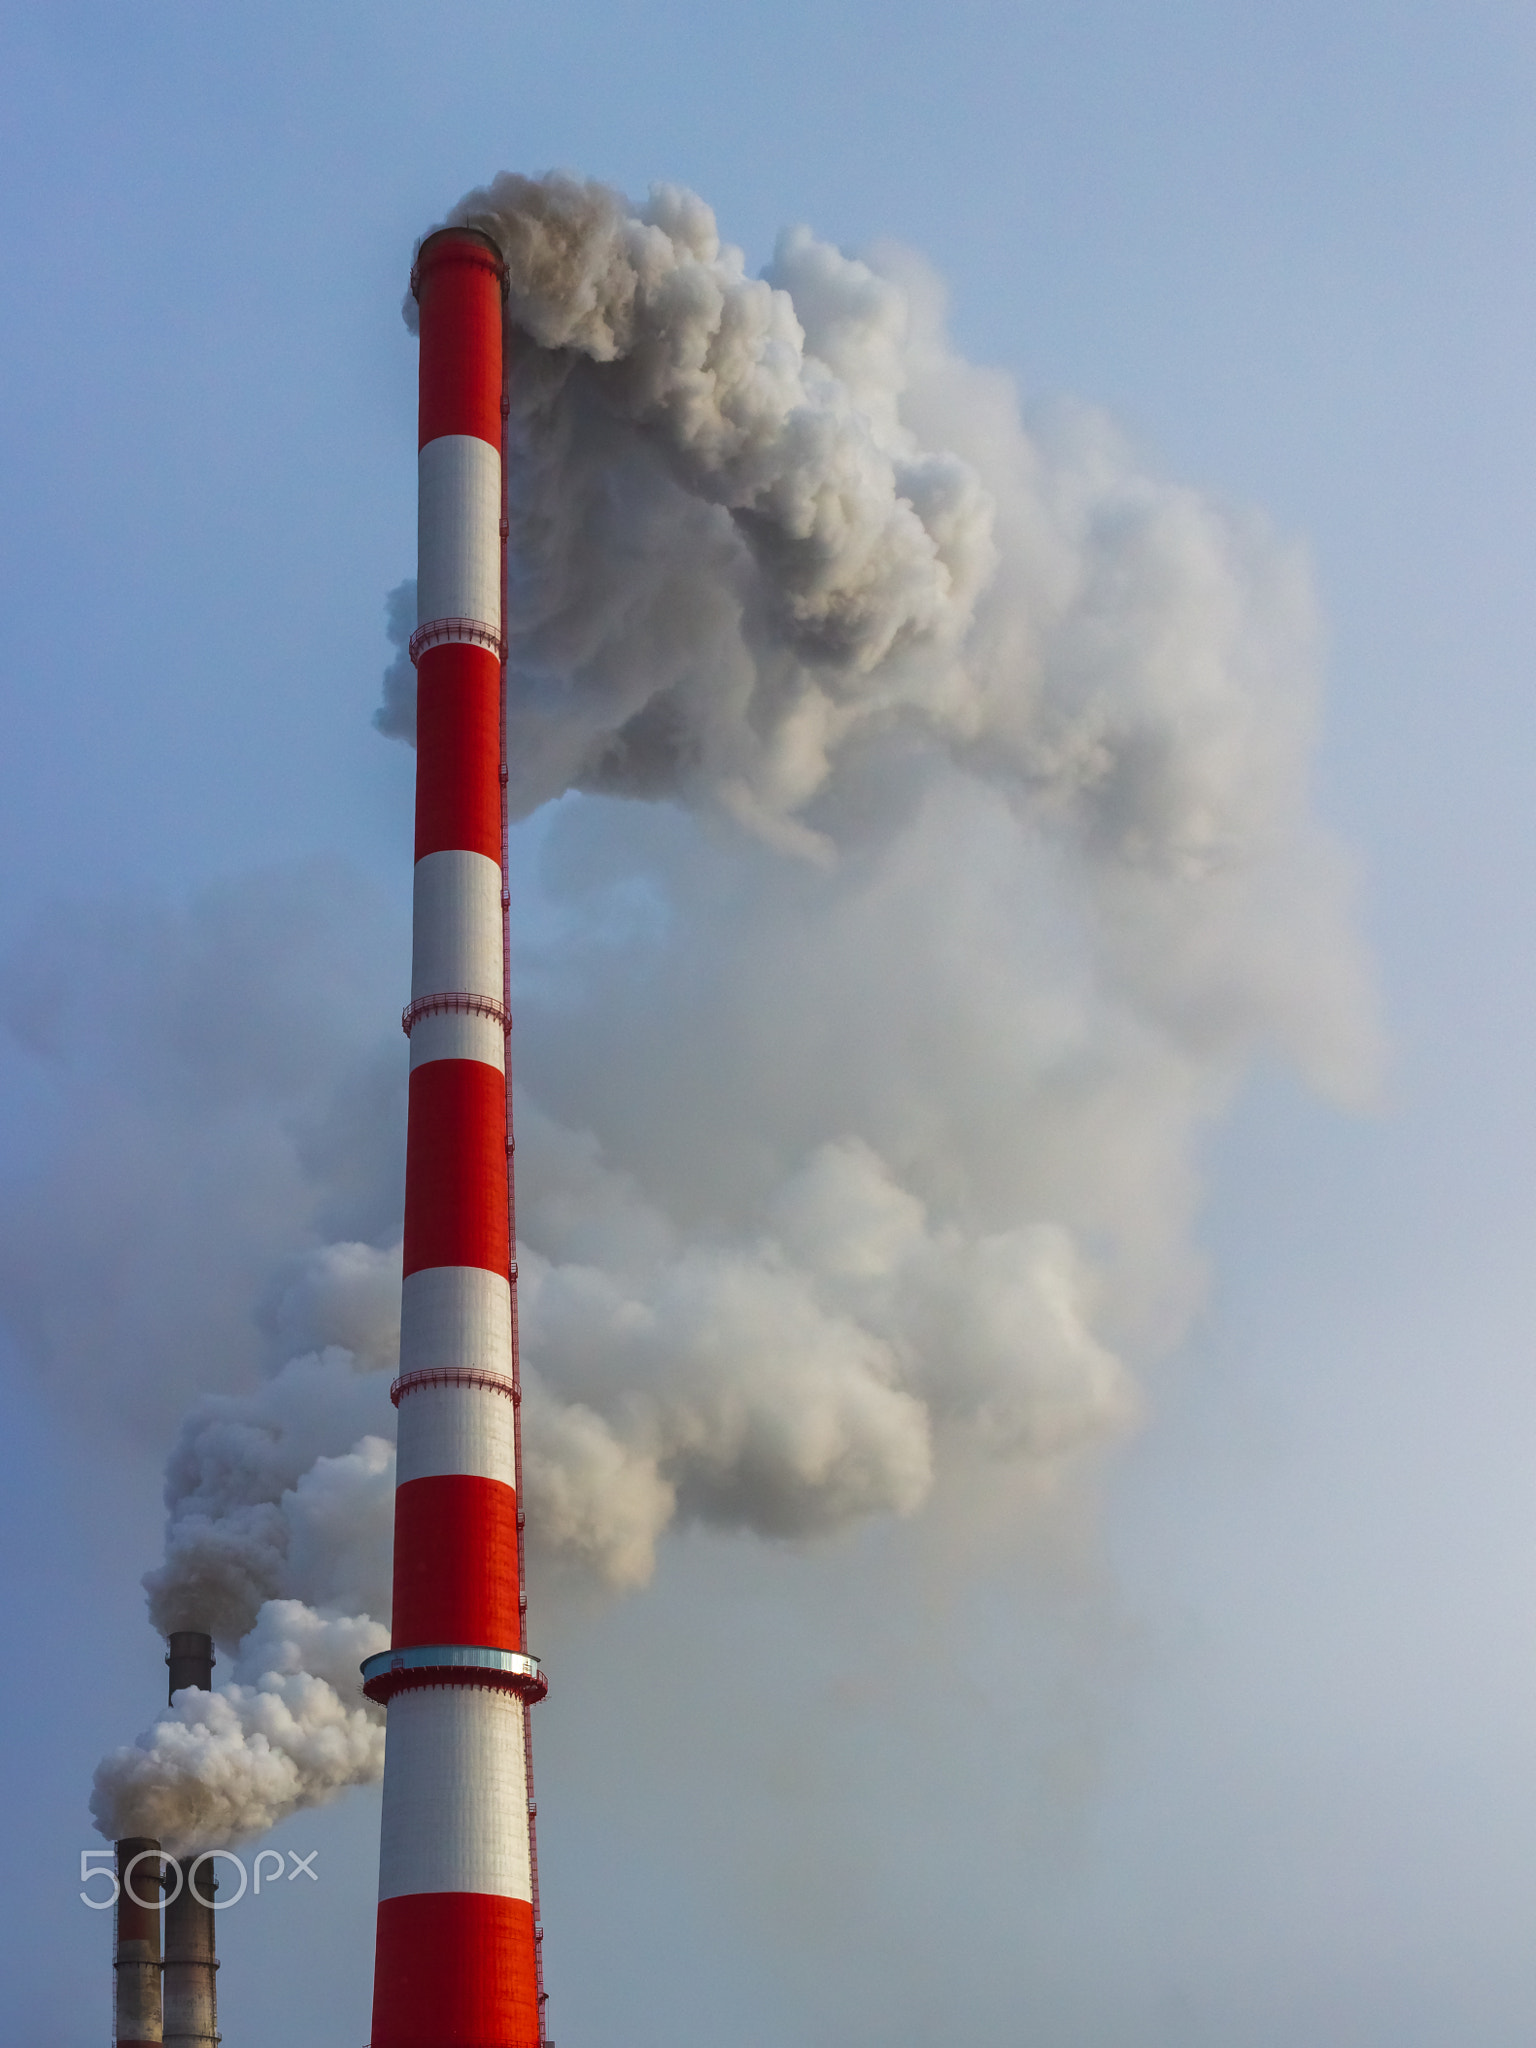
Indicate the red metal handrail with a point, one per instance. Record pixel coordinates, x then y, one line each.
461 1001
438 632
454 1376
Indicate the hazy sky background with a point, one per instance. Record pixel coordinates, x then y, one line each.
1242 1749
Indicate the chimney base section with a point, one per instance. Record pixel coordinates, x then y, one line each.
136 1953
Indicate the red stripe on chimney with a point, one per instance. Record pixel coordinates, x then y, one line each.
456 1563
456 1167
459 294
458 741
455 1970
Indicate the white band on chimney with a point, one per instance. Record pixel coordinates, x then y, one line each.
453 1430
456 1316
455 1794
458 532
456 935
458 1035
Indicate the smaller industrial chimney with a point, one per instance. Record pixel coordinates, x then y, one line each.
136 1944
189 1656
191 2003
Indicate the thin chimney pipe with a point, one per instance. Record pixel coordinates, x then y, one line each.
136 1944
191 1998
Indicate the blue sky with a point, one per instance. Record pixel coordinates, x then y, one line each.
1244 1751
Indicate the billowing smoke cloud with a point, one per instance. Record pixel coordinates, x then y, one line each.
923 853
278 1545
291 1732
978 863
257 1513
287 1492
803 1380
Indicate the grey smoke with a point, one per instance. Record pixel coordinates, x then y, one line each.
260 1506
803 1380
1000 869
925 855
278 1543
225 1093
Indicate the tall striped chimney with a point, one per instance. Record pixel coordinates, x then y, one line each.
457 1962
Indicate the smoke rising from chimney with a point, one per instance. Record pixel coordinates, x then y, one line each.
927 853
292 1731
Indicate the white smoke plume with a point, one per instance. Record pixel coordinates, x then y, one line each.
278 1544
292 1731
927 853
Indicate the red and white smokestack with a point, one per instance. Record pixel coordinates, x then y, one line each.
457 1959
136 1945
191 1959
